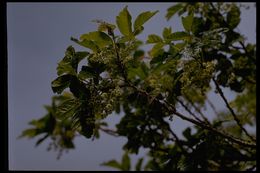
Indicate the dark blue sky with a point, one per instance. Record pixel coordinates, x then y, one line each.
38 34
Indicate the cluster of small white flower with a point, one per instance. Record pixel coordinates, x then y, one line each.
196 75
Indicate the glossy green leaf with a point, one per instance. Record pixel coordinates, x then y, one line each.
180 35
64 67
233 17
124 23
142 18
60 83
167 32
86 43
154 39
30 133
157 49
187 22
99 38
173 10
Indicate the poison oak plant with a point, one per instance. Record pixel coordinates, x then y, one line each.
181 68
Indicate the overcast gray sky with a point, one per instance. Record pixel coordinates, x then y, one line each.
38 34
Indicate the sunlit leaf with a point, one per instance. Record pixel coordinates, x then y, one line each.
154 39
29 133
167 32
101 39
187 22
64 67
142 18
157 49
180 35
86 43
173 10
124 23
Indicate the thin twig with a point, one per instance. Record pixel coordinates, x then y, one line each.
227 25
109 131
172 109
212 106
246 52
177 140
231 110
198 110
188 110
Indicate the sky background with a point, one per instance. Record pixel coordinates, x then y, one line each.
38 35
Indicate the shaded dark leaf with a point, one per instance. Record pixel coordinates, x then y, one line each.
60 83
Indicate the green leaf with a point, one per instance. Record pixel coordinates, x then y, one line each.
123 21
173 10
158 59
132 72
113 164
126 162
64 67
233 17
38 124
157 50
187 133
139 164
187 22
180 35
70 52
138 30
69 64
86 72
86 43
104 26
154 39
167 32
30 133
179 46
142 18
99 38
80 56
67 109
60 83
78 88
